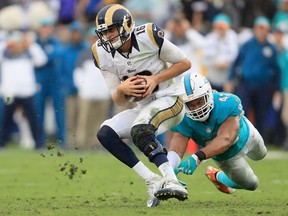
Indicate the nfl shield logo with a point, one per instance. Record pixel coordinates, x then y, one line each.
208 130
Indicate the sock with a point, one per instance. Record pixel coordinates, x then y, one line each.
143 171
167 171
111 141
173 158
224 179
159 159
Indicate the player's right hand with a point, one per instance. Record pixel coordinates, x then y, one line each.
188 166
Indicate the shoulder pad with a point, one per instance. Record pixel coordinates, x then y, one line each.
156 34
95 54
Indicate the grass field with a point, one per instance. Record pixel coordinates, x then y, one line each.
94 183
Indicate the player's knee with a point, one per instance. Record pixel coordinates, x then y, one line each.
264 153
253 187
102 133
142 134
144 138
252 184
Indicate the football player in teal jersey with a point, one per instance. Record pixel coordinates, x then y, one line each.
216 122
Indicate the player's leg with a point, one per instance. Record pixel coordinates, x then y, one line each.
31 115
237 172
7 118
110 136
175 159
155 118
40 99
59 110
255 147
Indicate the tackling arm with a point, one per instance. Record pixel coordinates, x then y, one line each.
178 144
226 136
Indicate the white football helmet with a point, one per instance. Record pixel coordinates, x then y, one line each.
197 86
111 16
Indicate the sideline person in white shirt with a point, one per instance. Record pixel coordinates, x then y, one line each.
18 58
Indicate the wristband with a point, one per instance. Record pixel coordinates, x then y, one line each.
201 155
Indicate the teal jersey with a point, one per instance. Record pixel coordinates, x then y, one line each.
225 105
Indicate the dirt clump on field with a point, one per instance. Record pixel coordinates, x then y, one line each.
70 169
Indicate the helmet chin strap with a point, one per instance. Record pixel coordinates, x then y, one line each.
117 44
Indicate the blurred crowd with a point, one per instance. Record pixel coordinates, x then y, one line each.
51 91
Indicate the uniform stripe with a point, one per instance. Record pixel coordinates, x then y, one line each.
151 36
110 12
187 85
168 113
95 54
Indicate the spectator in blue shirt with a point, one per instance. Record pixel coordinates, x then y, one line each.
48 77
258 74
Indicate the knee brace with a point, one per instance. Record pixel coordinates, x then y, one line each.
144 138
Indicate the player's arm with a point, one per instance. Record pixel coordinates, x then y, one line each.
178 143
168 52
172 54
226 137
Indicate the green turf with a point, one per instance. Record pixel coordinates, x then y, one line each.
32 183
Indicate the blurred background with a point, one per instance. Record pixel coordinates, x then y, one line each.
51 92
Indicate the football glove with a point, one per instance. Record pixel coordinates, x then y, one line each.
188 166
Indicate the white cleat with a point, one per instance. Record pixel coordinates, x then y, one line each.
153 185
171 189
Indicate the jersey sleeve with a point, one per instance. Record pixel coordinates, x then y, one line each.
111 80
182 128
230 106
171 53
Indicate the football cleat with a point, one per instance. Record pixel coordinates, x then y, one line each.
171 189
211 172
183 184
153 185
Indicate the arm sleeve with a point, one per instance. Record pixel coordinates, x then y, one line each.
112 80
230 106
170 53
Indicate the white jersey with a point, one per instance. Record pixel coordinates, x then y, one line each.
151 54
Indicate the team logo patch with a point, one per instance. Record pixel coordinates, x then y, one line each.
160 34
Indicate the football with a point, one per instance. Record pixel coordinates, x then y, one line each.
136 99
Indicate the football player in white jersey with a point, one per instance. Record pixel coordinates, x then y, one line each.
139 64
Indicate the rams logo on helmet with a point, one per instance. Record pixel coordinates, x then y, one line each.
114 16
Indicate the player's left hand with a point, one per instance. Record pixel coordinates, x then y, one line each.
188 166
150 85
